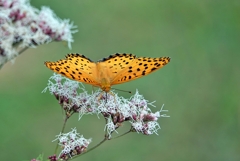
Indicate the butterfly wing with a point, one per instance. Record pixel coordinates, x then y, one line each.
76 67
138 68
114 64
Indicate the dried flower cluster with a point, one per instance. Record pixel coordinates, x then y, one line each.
23 26
72 144
115 109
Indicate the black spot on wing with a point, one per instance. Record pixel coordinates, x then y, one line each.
130 56
77 55
153 69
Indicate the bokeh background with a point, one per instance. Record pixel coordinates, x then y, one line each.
200 86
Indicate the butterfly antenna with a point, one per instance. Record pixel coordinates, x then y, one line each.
122 90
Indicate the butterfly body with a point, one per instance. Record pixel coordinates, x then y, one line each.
116 69
103 77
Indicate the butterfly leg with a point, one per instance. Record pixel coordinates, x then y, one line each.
111 93
93 88
101 96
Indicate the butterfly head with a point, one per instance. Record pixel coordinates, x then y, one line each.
105 88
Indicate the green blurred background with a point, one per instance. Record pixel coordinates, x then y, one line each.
200 86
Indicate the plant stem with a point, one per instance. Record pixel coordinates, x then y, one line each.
105 139
7 59
123 134
64 125
24 49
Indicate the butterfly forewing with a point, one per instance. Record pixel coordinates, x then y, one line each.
140 67
76 67
116 63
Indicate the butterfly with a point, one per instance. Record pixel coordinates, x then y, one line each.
115 69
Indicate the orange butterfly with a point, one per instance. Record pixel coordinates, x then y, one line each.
116 69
